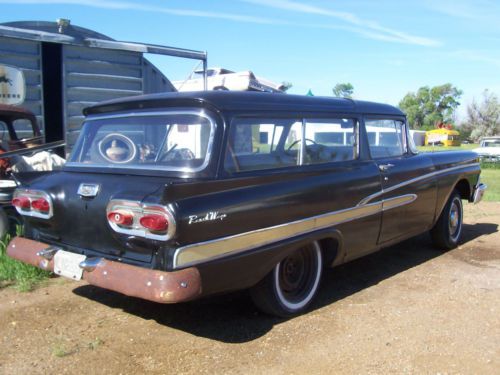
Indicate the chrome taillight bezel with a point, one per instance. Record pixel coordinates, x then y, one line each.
139 210
32 195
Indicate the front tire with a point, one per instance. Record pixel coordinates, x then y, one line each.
447 232
292 284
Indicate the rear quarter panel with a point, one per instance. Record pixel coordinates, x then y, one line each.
456 166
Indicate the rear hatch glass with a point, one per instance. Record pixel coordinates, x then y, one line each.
171 141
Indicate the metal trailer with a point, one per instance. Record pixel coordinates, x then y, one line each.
68 68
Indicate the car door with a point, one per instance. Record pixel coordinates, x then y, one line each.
409 188
334 143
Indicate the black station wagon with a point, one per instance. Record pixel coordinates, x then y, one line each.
175 196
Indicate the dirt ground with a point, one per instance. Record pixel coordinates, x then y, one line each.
407 309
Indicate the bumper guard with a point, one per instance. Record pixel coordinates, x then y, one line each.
479 191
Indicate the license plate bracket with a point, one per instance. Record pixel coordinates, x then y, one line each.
68 264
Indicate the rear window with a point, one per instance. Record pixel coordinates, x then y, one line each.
23 128
167 141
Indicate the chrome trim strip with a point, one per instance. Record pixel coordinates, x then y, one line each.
203 251
413 180
388 204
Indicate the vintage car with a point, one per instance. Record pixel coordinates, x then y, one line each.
171 197
224 79
489 149
19 135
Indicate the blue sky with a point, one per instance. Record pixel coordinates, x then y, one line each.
384 48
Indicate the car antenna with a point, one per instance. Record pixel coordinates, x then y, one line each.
190 74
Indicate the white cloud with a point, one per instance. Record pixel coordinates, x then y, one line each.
479 10
353 24
367 28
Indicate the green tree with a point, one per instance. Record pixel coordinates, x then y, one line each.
343 90
429 106
286 85
483 119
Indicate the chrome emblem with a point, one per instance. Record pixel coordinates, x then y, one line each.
209 216
88 190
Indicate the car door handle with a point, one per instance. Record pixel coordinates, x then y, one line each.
385 167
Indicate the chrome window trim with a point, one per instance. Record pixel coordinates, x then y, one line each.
201 113
193 254
302 149
404 139
355 124
301 152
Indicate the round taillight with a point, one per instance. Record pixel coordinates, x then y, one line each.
41 204
155 223
22 202
121 217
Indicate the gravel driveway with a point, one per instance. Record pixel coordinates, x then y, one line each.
406 309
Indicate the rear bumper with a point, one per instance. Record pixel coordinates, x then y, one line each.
148 284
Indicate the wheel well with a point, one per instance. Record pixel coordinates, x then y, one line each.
463 188
330 250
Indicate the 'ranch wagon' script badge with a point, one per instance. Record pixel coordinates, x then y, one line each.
209 216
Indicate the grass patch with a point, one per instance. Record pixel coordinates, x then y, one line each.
93 345
491 177
23 276
59 350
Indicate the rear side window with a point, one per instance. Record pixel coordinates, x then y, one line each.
386 138
258 144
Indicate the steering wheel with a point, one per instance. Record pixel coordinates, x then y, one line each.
289 148
178 154
117 148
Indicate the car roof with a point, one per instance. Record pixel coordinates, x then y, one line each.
15 112
245 101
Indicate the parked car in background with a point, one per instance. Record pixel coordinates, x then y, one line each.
176 196
489 149
224 79
19 135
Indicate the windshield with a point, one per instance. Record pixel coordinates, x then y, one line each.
166 141
491 143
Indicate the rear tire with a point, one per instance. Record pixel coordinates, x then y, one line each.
292 284
447 231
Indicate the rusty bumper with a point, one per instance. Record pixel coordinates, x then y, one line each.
152 285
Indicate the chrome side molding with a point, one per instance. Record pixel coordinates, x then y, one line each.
204 251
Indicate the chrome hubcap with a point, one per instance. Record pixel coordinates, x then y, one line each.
454 221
